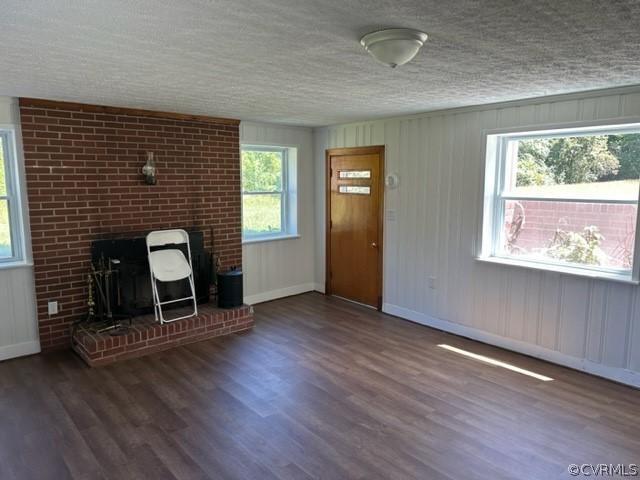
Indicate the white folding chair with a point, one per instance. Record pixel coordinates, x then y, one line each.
169 265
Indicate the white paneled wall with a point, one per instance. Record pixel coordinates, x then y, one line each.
587 324
18 321
279 268
18 324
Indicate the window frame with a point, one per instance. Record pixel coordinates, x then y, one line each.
13 197
285 220
495 143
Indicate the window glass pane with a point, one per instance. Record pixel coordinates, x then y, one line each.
261 214
3 185
590 166
5 232
261 171
358 190
590 234
355 174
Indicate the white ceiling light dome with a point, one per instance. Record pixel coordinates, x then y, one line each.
394 46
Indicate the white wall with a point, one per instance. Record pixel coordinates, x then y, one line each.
279 268
587 324
18 320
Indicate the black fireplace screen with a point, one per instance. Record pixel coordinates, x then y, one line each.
131 290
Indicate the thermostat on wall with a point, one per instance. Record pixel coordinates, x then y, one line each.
391 181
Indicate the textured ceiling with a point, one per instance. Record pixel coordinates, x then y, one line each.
299 61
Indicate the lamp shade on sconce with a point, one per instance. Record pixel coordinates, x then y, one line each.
149 170
395 46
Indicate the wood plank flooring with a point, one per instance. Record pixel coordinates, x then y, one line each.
319 389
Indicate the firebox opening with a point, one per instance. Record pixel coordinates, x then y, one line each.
131 292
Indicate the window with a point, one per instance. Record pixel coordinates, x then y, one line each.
11 243
268 196
564 200
354 189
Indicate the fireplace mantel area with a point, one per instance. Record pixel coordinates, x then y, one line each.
84 184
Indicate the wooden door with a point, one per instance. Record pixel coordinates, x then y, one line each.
354 224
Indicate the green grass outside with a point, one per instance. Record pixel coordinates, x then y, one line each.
261 214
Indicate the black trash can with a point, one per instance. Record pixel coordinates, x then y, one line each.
230 289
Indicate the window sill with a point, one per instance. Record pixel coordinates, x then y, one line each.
578 272
247 241
16 264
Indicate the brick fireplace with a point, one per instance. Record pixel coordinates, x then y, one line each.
83 166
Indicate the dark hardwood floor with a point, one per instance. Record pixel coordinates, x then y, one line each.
319 389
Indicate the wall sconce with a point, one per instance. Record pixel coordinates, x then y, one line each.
149 170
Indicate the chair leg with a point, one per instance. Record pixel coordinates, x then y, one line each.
193 293
157 308
154 296
160 312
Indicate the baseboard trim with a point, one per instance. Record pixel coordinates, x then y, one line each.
318 287
279 293
621 375
19 350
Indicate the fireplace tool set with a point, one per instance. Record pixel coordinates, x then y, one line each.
103 285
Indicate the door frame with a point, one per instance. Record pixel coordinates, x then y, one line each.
379 149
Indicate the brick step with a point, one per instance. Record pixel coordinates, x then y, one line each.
147 336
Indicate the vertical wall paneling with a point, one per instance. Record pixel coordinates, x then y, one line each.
633 360
587 324
18 322
284 267
617 317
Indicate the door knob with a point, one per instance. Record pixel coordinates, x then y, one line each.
374 245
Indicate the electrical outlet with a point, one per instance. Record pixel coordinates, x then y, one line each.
432 282
53 307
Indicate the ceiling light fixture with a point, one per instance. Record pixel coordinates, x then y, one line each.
394 46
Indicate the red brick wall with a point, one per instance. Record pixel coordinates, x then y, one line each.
616 223
83 182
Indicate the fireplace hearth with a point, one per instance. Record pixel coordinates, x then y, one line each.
131 285
130 296
146 336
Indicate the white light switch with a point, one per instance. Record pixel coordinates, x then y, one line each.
391 215
53 308
432 282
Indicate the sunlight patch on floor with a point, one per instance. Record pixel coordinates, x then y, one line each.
495 362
